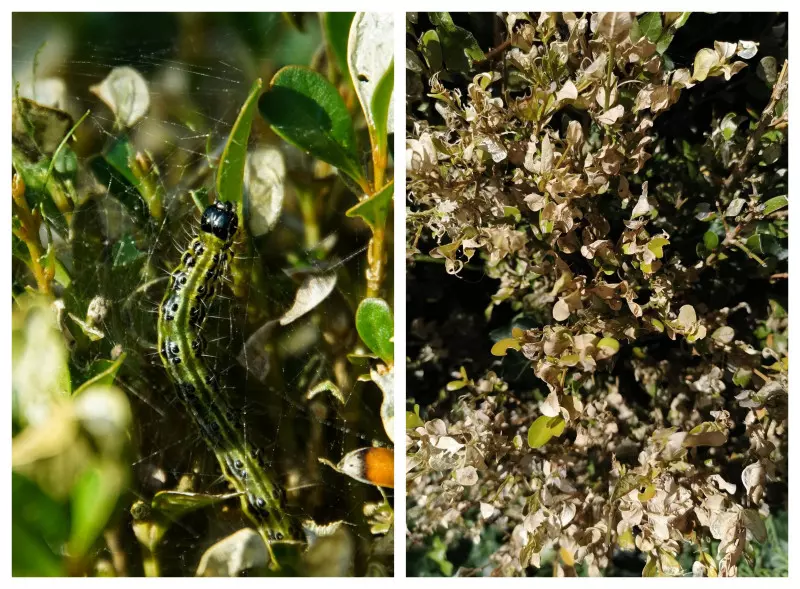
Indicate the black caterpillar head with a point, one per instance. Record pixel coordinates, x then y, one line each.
220 220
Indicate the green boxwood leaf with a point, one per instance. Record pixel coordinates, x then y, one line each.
710 240
459 46
438 554
764 243
381 108
230 174
648 493
65 162
729 124
650 26
307 111
413 420
664 41
741 377
31 556
431 50
636 31
609 343
93 499
376 327
40 527
775 204
119 155
337 29
656 245
375 209
650 568
543 429
125 252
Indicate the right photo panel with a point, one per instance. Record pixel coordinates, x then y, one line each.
597 294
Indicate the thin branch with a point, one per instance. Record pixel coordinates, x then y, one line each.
492 54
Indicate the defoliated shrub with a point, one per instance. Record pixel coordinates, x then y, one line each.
646 269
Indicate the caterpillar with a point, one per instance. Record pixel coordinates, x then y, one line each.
192 289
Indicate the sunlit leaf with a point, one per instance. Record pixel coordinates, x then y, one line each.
230 173
648 493
431 50
413 420
775 204
376 327
375 209
543 429
382 107
501 348
307 111
703 62
650 26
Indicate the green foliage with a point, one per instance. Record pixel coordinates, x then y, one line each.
376 328
337 30
93 500
306 110
614 232
230 173
379 109
375 209
543 429
39 528
110 475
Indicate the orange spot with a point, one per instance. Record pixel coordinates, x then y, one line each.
379 467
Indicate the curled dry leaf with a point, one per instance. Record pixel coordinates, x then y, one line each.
265 182
466 476
231 556
125 92
314 289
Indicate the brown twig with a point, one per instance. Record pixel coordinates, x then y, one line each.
28 233
493 53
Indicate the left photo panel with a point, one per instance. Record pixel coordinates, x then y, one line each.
202 287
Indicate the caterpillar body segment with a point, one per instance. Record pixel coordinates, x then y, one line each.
193 287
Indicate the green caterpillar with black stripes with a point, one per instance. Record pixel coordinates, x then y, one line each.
193 287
